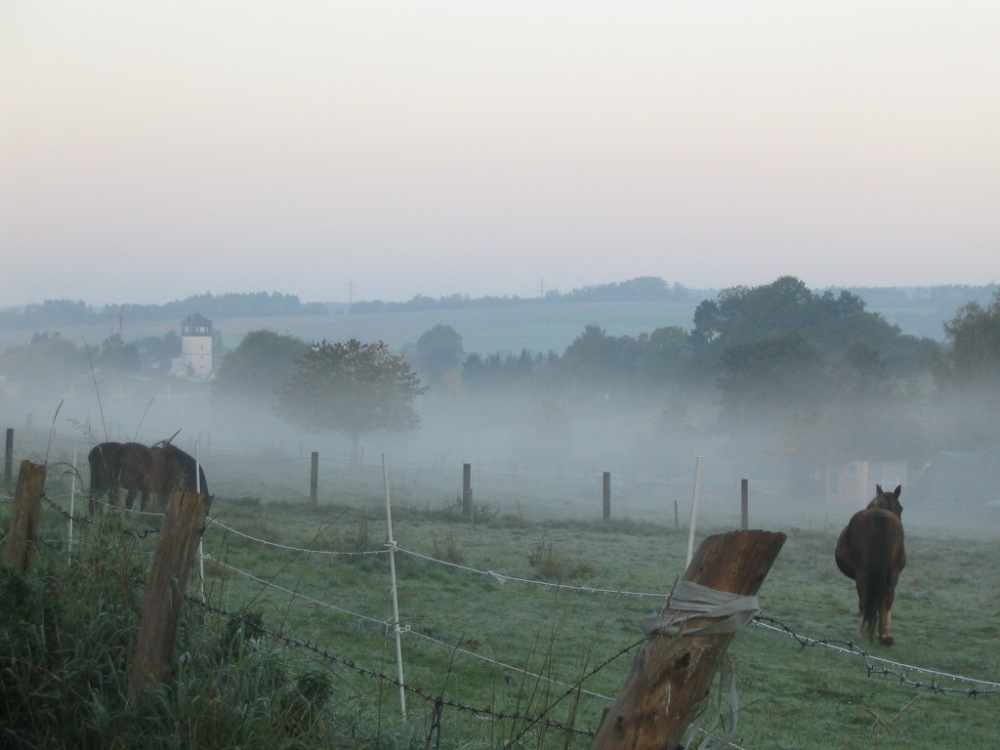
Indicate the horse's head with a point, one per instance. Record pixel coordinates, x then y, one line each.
887 500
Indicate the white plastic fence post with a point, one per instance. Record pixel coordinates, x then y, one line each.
391 544
695 494
72 499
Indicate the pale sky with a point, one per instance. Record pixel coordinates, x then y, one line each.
151 151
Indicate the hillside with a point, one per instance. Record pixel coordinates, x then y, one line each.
486 326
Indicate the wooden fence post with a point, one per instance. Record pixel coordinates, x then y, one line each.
161 609
672 677
314 479
27 515
606 497
467 505
744 504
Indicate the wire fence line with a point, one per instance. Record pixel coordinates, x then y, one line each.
427 695
937 681
902 672
303 550
874 665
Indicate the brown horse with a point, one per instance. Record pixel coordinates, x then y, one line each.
142 471
118 466
174 469
870 550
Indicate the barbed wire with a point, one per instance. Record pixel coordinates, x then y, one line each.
888 668
326 605
408 630
368 672
874 665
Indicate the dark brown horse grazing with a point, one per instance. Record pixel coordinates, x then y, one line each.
870 550
174 469
119 466
105 465
141 471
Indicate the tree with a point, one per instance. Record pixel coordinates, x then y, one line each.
116 356
352 389
594 358
781 371
438 351
666 355
259 365
968 404
974 335
47 363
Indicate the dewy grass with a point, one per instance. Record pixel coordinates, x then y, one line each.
499 643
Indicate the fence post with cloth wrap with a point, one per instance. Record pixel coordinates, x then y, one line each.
670 680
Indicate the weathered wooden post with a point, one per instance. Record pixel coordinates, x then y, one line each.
8 457
180 532
606 497
23 536
744 504
314 479
467 505
671 678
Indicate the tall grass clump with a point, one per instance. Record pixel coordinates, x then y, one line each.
67 633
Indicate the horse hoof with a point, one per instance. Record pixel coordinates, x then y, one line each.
885 640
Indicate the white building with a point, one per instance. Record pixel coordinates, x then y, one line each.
196 346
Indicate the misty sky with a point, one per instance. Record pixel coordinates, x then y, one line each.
150 151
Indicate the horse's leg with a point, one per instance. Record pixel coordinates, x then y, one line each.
885 612
885 627
130 498
867 605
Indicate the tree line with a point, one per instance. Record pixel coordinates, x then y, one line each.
51 313
818 365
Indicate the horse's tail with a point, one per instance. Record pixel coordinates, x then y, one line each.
876 585
879 572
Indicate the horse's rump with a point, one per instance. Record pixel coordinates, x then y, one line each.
870 550
174 469
883 538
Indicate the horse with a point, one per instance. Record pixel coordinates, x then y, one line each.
173 469
105 466
142 471
118 466
870 550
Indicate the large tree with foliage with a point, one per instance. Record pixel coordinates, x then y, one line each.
438 351
742 315
968 408
259 365
598 360
974 335
351 388
46 363
784 370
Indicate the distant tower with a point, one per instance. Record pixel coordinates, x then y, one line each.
196 345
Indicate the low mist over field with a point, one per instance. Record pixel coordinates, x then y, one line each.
808 395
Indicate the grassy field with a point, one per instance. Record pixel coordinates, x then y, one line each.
525 623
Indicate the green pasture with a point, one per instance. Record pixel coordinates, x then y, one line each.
522 626
947 619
